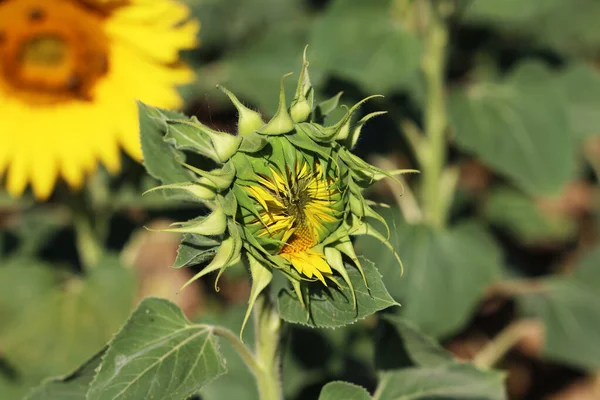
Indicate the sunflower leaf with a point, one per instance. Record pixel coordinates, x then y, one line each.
60 321
70 387
343 390
519 127
446 271
156 338
161 160
456 381
570 311
332 307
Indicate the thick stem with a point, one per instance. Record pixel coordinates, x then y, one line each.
434 156
267 325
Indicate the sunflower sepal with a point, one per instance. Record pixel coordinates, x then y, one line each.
302 104
316 132
252 144
249 120
201 190
335 260
221 178
326 107
213 224
351 140
192 135
221 260
195 249
281 122
261 277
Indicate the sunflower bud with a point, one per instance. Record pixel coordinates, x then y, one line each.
288 196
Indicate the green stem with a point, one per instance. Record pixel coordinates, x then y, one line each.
86 224
240 347
267 325
434 156
497 348
88 244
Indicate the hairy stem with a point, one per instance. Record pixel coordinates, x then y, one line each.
435 124
244 352
267 325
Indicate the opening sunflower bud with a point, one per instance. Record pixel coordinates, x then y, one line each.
289 196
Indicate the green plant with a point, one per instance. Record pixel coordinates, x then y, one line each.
494 102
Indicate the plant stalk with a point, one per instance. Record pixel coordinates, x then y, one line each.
267 325
497 348
435 123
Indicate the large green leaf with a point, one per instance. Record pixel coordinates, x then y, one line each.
71 387
508 11
65 319
519 127
567 25
416 367
581 87
445 271
456 381
570 310
367 43
521 216
161 160
158 354
343 391
399 344
331 306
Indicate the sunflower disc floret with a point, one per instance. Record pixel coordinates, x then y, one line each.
288 196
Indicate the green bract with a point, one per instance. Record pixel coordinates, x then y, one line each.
287 195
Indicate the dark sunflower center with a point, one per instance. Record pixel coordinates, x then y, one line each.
44 52
51 50
296 200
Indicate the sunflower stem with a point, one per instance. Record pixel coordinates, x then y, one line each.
85 223
88 244
267 325
434 154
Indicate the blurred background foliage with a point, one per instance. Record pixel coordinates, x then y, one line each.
518 265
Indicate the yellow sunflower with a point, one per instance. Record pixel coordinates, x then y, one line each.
70 72
296 206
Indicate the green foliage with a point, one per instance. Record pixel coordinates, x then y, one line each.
154 123
519 127
414 366
333 307
509 89
36 299
343 390
568 307
380 56
157 338
71 387
517 213
566 25
446 271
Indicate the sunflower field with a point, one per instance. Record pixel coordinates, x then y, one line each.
299 199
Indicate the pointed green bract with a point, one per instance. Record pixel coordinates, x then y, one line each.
288 197
249 120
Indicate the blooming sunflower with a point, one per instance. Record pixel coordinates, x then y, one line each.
288 194
70 72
